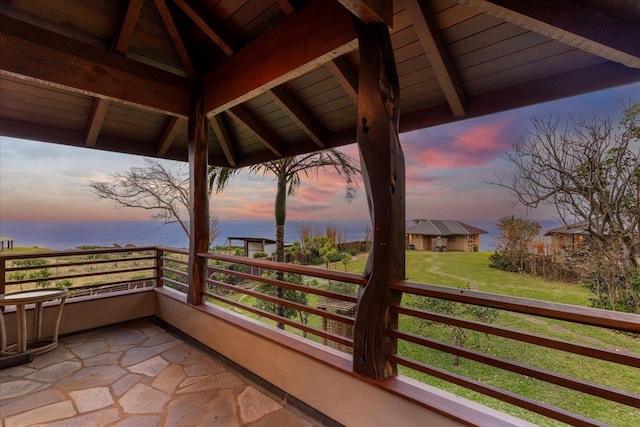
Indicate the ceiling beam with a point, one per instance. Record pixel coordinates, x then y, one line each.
298 114
220 129
174 125
208 23
345 76
264 135
568 22
96 118
123 40
174 34
315 34
433 45
31 53
369 11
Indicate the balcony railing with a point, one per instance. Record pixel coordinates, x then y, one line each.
326 314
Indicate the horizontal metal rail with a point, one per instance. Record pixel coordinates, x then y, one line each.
77 275
498 393
554 343
589 316
80 263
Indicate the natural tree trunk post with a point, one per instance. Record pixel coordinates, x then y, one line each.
198 198
382 164
158 265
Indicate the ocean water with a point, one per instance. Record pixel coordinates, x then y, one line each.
70 235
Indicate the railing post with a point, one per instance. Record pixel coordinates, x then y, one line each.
158 266
3 278
382 165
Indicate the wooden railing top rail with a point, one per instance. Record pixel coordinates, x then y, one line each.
173 250
589 316
74 252
291 268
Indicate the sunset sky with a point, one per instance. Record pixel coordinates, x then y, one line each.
445 165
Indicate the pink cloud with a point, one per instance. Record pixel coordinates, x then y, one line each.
467 146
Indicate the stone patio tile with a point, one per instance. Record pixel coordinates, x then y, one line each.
139 421
150 368
254 405
282 418
168 380
15 372
138 354
94 376
184 355
126 337
209 367
101 418
103 359
187 410
217 382
44 414
91 399
121 386
159 339
15 388
58 355
221 411
152 331
142 399
55 372
90 349
30 401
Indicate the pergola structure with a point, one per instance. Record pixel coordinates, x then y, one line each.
235 83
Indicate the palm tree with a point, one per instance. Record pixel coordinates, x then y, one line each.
288 173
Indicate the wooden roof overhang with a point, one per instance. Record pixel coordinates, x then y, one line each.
279 77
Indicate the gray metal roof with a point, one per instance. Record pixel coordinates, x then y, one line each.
430 227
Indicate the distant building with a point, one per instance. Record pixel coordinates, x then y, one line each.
442 235
566 240
255 244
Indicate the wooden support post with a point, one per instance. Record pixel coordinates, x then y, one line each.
199 198
382 164
158 267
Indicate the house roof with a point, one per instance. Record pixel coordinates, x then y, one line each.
577 228
429 227
253 239
280 77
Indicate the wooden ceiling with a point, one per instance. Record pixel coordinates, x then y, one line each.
280 77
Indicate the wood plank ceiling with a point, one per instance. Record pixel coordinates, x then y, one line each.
280 77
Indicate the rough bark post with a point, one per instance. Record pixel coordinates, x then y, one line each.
382 164
281 217
198 198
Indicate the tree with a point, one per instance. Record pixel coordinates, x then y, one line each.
288 173
589 171
515 243
153 187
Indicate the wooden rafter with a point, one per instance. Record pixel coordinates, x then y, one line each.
121 43
286 6
345 76
178 43
299 115
264 135
219 128
371 10
305 40
434 47
32 53
569 22
96 118
174 125
208 23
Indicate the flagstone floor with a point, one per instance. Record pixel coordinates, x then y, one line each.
135 375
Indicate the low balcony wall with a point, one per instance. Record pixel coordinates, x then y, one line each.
318 376
83 313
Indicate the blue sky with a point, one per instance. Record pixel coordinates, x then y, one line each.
446 166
